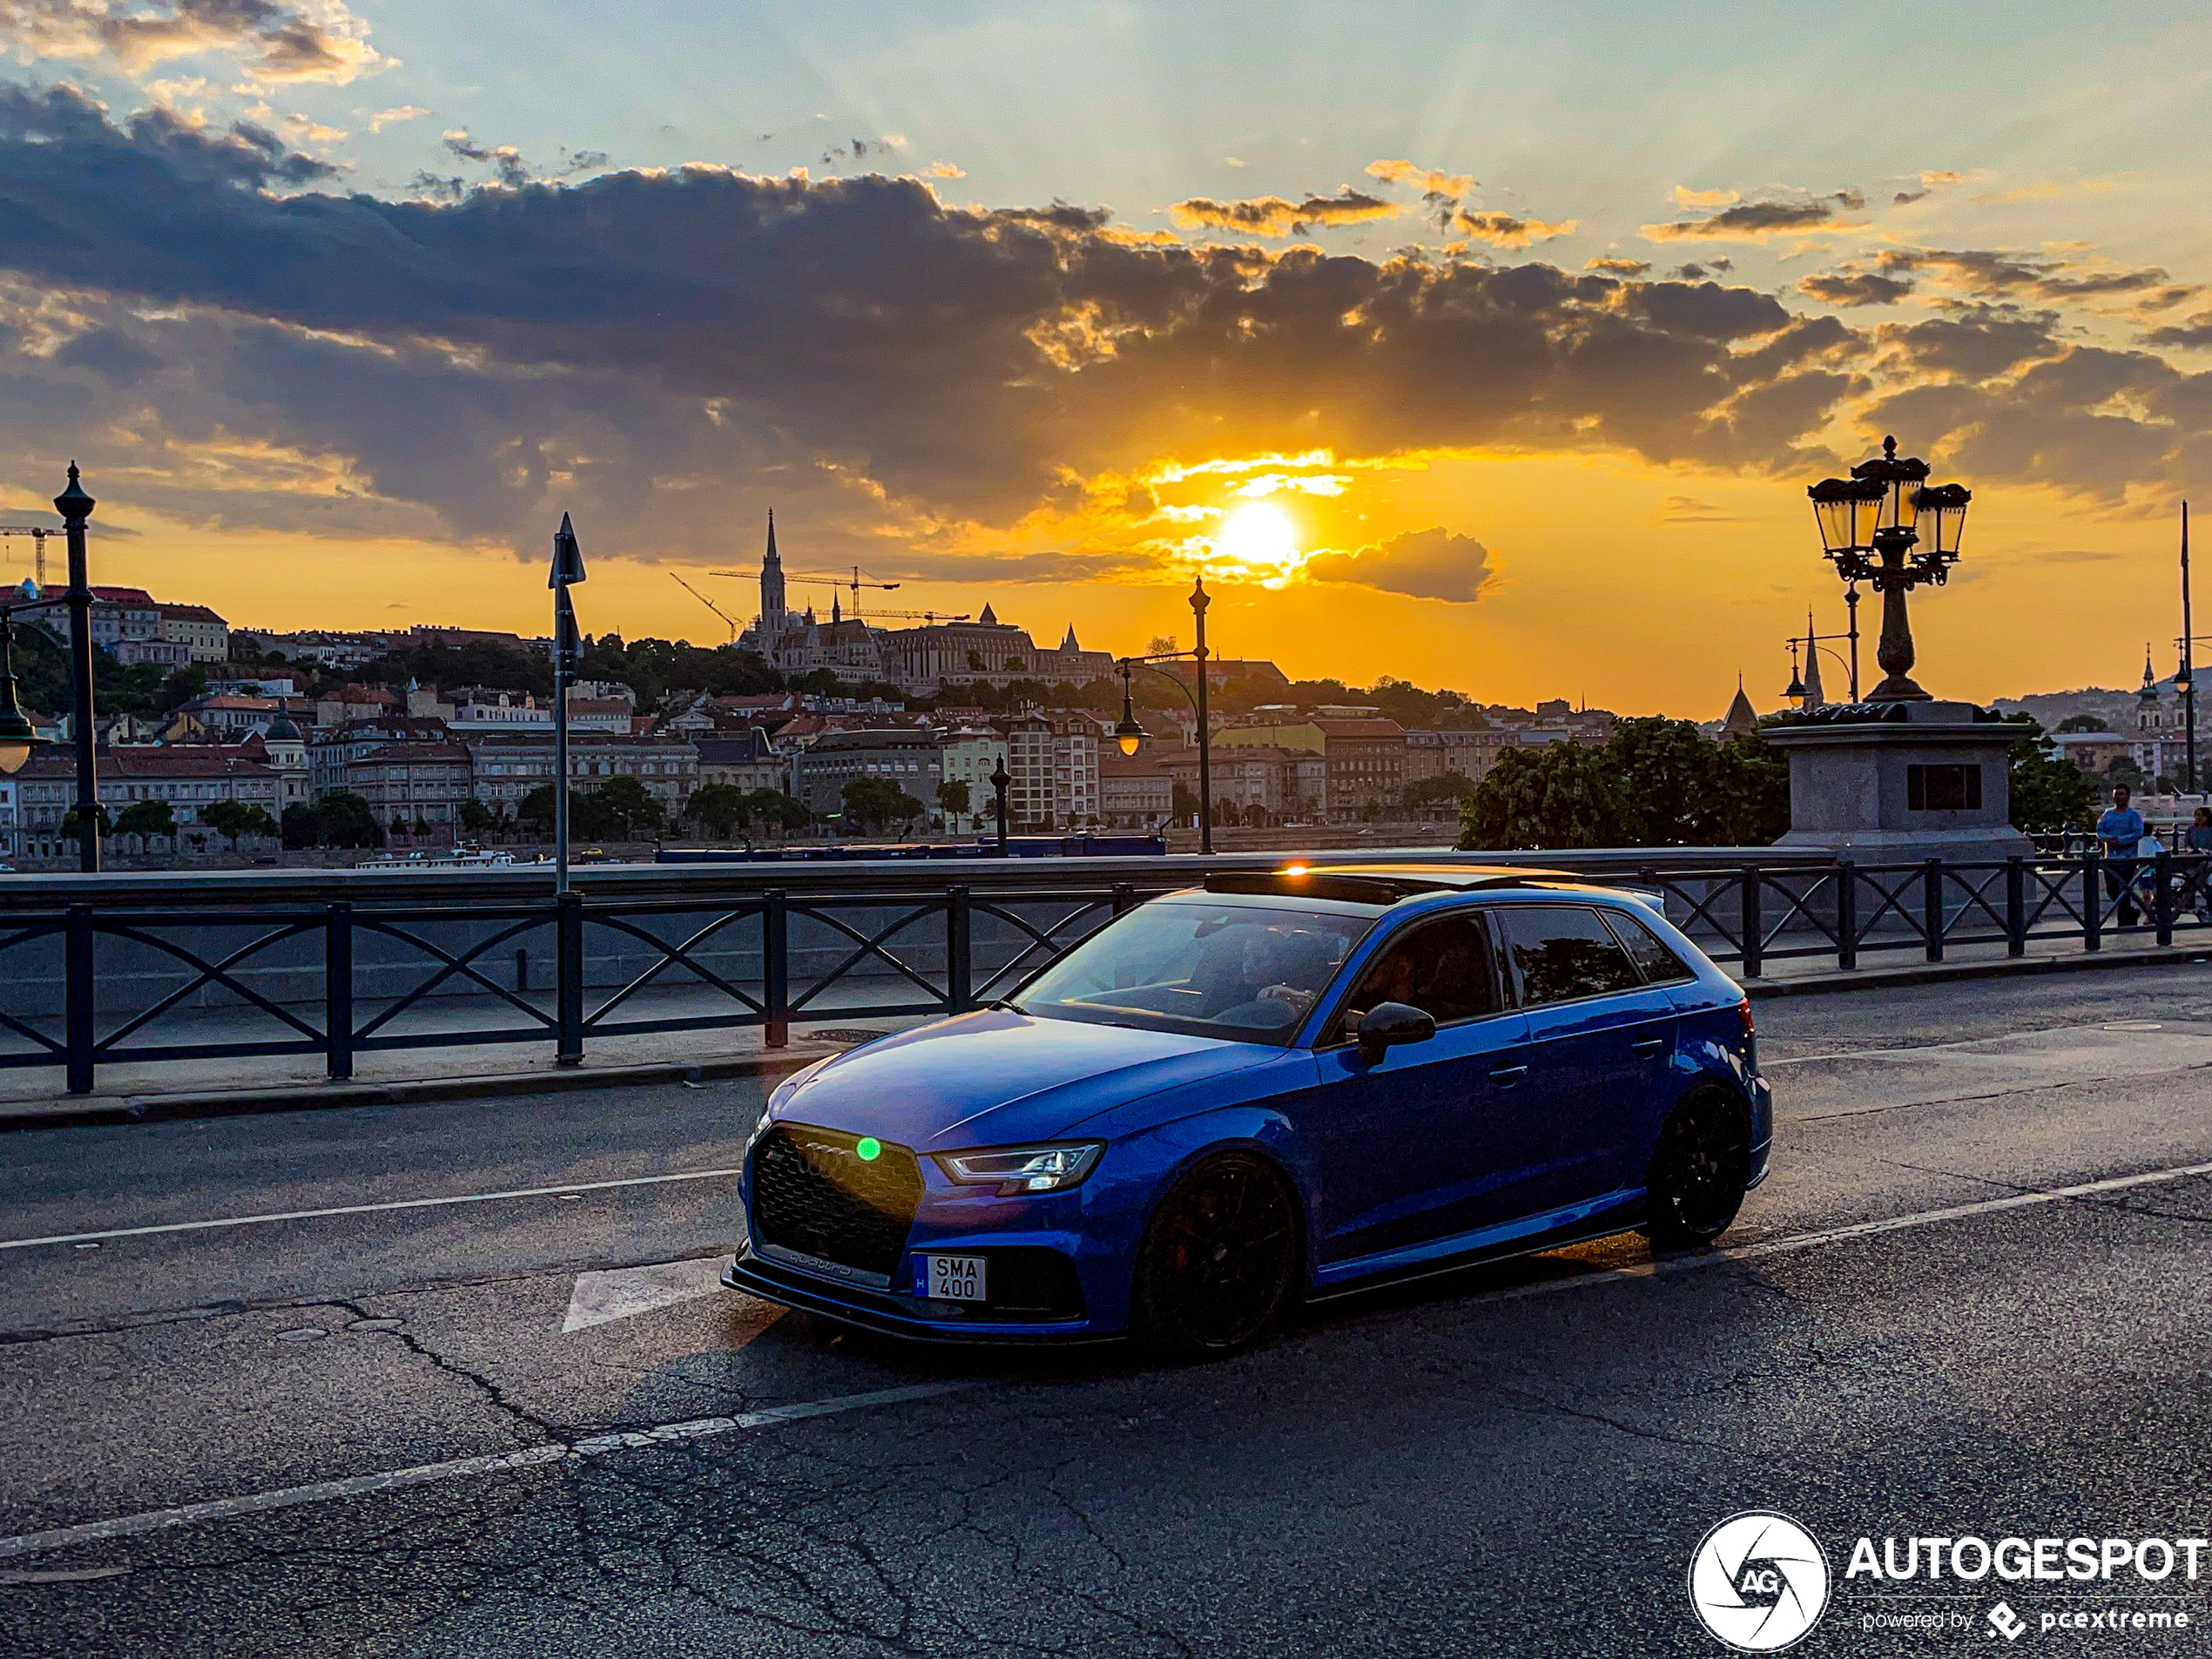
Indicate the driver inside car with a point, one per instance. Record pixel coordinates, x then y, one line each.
1280 976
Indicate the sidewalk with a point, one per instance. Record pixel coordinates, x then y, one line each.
192 1088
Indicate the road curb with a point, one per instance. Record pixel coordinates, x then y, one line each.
1866 979
241 1102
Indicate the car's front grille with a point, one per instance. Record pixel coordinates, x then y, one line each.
813 1193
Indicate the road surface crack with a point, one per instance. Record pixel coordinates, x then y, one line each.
493 1393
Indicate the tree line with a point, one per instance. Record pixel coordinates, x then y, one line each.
1657 782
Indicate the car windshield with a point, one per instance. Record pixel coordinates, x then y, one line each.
1249 972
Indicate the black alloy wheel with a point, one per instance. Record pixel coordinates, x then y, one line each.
1694 1183
1220 1260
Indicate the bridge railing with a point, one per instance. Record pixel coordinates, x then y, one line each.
108 970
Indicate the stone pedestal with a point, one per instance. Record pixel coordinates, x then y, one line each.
1892 783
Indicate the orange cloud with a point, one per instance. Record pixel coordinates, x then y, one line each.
1443 187
1274 216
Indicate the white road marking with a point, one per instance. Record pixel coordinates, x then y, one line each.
1986 1044
624 1293
570 1190
356 1485
83 1575
1668 1265
704 1427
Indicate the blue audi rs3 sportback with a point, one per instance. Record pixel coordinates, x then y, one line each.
1274 1087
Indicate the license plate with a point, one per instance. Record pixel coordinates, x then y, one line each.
951 1279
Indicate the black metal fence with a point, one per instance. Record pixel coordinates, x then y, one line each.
103 971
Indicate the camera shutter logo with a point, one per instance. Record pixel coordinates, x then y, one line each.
1758 1581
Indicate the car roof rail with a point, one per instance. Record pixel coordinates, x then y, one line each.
1301 884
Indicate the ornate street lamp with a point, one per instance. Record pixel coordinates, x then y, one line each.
1870 528
75 505
1129 734
1799 690
567 570
17 736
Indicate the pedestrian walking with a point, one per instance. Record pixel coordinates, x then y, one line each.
2119 832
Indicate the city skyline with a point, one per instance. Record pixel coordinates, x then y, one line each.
1348 317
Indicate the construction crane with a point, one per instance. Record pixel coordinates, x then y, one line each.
38 533
843 580
931 617
708 602
921 616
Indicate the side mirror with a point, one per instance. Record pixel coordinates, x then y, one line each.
1389 1023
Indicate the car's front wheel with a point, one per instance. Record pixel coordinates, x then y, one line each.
1699 1172
1220 1260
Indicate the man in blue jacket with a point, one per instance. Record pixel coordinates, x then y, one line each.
2118 832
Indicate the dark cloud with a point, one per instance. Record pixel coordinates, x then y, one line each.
669 351
1504 230
1060 215
2195 334
2090 420
1705 310
1994 274
1907 198
1851 287
1275 216
1976 345
1753 221
274 41
1428 565
1611 266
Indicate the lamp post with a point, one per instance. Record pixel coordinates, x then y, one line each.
568 652
17 736
1000 779
75 507
1869 528
1812 642
1198 604
2185 676
1130 734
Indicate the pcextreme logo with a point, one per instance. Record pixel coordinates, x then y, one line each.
1758 1581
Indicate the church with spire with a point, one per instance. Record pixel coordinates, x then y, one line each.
800 642
920 661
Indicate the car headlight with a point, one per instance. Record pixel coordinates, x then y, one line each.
1014 1170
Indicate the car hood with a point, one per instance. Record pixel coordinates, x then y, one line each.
994 1077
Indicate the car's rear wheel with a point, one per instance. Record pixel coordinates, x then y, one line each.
1220 1261
1696 1181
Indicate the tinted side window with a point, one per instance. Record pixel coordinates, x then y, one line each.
1661 966
1563 951
1445 969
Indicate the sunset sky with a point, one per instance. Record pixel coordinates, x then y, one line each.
1486 347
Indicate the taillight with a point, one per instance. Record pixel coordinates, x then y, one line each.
1743 1013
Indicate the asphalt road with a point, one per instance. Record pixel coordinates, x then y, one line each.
549 1435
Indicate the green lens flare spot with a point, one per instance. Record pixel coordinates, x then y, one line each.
869 1150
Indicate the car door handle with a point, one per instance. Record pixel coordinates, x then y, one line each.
1647 1045
1506 1077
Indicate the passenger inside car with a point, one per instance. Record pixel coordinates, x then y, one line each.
1444 970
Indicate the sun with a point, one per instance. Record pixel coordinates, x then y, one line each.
1261 538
